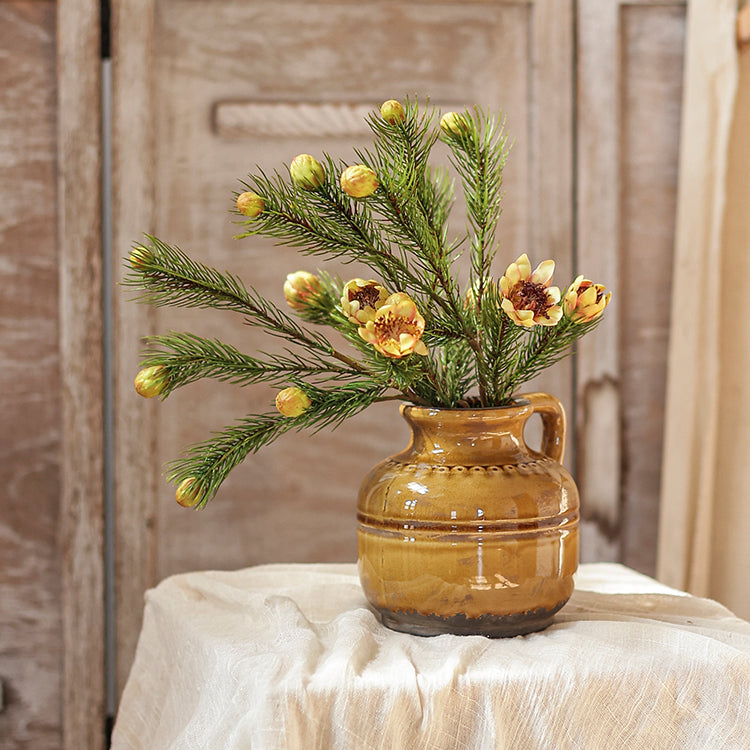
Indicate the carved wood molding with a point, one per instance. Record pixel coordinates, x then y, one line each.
238 119
243 119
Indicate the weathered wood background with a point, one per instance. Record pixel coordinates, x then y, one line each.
30 601
202 92
52 514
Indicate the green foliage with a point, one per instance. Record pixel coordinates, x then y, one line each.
477 351
211 461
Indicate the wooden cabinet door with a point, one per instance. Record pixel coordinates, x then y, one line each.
205 91
51 506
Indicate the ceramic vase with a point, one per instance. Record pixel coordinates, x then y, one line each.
468 530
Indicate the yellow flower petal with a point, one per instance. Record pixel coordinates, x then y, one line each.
397 327
543 273
588 297
524 266
553 317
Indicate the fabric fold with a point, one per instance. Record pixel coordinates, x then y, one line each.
291 656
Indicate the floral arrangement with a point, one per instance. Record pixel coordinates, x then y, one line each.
410 331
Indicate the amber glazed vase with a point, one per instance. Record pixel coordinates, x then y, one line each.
468 530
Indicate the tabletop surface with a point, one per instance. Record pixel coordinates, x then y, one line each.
291 656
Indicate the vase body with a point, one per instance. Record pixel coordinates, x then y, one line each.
468 530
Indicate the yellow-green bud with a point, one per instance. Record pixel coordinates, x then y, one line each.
470 300
151 381
292 402
307 172
392 111
299 288
359 181
188 493
250 204
140 257
453 124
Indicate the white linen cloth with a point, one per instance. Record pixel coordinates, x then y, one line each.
290 656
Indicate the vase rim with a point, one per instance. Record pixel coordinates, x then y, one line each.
519 403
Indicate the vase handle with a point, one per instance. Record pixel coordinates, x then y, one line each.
551 410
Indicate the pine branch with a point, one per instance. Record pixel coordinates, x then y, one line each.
413 204
167 277
189 358
544 347
209 463
324 222
500 342
446 375
400 234
479 153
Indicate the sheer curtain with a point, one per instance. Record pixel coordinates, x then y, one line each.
704 534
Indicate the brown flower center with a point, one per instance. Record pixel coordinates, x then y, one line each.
366 296
392 326
529 295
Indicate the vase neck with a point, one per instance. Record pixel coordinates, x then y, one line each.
468 437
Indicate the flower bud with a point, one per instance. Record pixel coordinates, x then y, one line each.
188 493
359 181
489 287
392 111
300 288
250 204
307 172
453 124
292 402
151 381
140 257
585 301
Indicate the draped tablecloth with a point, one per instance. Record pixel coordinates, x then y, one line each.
290 656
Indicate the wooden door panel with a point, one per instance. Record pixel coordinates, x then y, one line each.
653 51
197 168
218 75
628 121
30 601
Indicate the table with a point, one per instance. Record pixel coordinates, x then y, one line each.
290 656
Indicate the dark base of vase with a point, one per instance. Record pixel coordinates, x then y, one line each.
490 626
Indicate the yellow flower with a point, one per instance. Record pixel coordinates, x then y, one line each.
452 123
392 111
151 381
299 289
250 204
307 172
528 298
188 493
585 301
292 402
397 328
359 181
361 300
